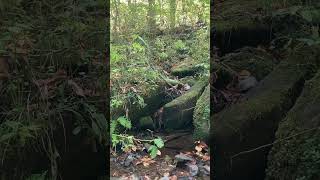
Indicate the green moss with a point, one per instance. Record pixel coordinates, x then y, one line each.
252 121
298 157
233 15
178 113
146 122
259 63
201 116
187 67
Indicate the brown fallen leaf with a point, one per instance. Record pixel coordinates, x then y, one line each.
146 161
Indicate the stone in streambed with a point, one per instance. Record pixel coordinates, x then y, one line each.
193 169
183 158
247 83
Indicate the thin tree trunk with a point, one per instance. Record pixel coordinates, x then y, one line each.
151 16
173 7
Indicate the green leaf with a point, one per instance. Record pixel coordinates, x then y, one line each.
125 122
158 142
113 126
153 151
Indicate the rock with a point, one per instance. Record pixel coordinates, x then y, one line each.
257 61
205 169
240 25
134 177
201 116
298 157
146 122
295 21
185 178
128 160
183 157
252 122
187 67
190 80
115 178
193 169
165 178
178 113
247 83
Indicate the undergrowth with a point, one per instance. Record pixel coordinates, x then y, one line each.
54 51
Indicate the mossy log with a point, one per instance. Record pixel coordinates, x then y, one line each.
154 99
187 67
178 113
201 116
296 152
253 121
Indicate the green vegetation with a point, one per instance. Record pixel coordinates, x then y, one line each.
149 38
53 82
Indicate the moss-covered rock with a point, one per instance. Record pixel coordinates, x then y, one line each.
201 116
178 113
190 80
146 122
258 62
297 153
187 67
238 23
252 122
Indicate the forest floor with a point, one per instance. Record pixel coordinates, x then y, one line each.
181 158
177 57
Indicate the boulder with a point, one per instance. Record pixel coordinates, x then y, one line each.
201 116
238 23
146 122
296 152
257 61
178 113
253 121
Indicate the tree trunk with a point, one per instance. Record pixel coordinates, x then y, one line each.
173 7
151 16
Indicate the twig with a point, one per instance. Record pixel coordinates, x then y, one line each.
275 142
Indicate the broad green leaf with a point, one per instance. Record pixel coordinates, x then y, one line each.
125 122
113 126
153 151
158 142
